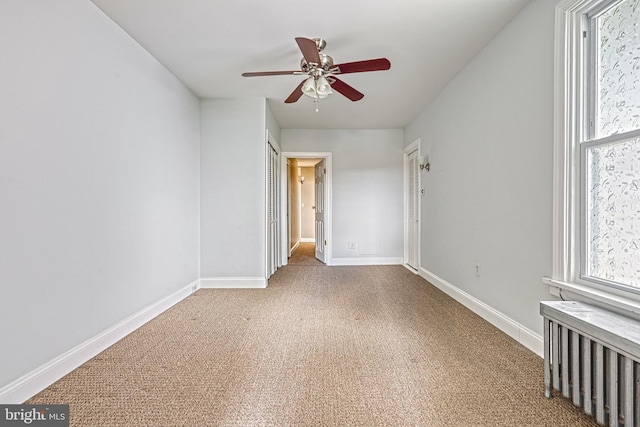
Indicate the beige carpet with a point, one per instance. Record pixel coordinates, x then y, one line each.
321 346
305 254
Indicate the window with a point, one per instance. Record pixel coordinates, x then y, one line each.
597 145
610 151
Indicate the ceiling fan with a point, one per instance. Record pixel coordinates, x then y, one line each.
322 72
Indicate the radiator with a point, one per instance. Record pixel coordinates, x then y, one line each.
592 357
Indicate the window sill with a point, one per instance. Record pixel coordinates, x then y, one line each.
618 302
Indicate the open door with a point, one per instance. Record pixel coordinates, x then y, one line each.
321 239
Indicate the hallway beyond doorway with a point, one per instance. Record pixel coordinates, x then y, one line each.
304 254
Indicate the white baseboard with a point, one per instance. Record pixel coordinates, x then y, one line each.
408 267
366 261
232 282
307 240
37 380
515 330
294 247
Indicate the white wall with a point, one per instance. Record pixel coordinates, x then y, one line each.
99 180
233 188
308 199
294 190
272 125
367 203
489 194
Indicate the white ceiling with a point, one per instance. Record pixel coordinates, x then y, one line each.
207 44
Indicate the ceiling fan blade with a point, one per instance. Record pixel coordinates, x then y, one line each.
379 64
295 95
309 50
346 90
269 73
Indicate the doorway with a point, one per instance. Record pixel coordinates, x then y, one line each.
306 187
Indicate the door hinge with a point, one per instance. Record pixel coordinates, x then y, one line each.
325 243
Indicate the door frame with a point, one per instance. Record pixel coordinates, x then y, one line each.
415 145
284 156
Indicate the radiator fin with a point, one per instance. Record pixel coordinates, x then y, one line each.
595 377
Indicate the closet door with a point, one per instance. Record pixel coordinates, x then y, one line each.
273 210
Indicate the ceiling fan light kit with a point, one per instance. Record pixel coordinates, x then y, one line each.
317 86
321 72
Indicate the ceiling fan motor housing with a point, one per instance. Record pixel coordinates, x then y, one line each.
326 62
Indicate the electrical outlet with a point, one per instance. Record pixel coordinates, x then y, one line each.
478 270
351 245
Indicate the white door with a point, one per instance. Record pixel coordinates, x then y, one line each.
273 210
413 206
321 238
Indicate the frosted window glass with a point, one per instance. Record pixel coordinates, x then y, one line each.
618 69
613 222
